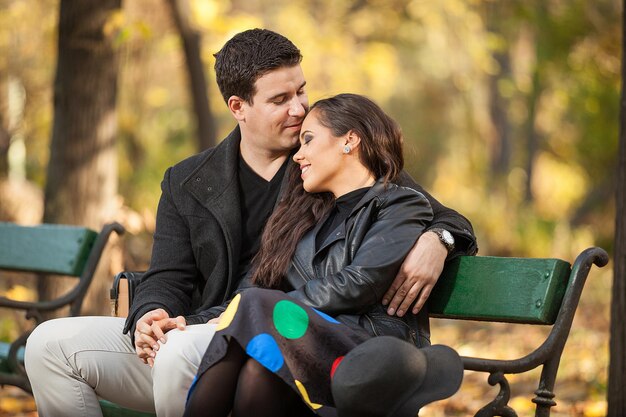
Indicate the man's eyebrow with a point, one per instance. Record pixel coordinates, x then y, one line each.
279 95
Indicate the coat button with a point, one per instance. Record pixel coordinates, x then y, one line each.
209 188
197 179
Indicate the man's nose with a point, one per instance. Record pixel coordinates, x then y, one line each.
297 108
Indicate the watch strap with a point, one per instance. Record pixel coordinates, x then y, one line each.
445 237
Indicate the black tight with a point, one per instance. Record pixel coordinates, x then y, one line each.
240 384
216 388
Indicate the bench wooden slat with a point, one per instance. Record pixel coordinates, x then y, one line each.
53 249
513 290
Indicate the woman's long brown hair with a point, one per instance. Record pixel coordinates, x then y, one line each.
380 150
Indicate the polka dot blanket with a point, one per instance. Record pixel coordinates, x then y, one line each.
300 344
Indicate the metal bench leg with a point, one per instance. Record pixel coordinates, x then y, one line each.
499 406
545 392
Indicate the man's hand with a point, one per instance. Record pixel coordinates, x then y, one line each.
417 276
151 329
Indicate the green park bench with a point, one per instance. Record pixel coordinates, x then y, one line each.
494 289
516 290
45 250
511 290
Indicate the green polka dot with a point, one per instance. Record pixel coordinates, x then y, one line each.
290 319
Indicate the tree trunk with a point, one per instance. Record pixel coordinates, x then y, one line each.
5 139
617 365
498 22
531 134
5 136
191 40
82 172
533 137
498 105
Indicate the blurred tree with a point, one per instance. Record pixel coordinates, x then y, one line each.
5 139
432 65
532 138
5 135
81 183
532 135
191 40
617 366
498 23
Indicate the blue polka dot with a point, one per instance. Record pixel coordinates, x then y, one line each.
192 388
326 317
265 350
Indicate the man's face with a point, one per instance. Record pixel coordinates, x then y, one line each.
272 122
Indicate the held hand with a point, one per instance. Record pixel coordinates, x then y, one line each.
417 276
160 327
216 320
150 329
145 342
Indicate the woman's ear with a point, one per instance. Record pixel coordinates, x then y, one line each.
236 105
352 139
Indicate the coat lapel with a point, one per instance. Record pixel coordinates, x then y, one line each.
215 185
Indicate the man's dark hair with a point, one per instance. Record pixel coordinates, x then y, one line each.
249 55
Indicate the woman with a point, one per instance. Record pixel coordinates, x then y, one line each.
328 253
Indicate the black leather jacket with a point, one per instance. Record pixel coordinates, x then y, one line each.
353 268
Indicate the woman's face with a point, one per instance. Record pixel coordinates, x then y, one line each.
320 157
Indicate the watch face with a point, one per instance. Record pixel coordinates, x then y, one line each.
447 237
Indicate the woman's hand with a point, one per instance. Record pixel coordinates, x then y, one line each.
216 320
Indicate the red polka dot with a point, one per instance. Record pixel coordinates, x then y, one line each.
335 365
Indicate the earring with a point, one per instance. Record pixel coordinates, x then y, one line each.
347 149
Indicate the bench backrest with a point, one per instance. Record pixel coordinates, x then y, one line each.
514 290
51 249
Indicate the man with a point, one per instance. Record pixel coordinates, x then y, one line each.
212 210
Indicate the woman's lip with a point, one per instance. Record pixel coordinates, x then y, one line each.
303 169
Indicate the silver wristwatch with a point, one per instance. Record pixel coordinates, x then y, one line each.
445 237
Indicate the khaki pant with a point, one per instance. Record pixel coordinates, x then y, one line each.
72 362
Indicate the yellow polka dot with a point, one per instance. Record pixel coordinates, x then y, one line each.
305 396
228 315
